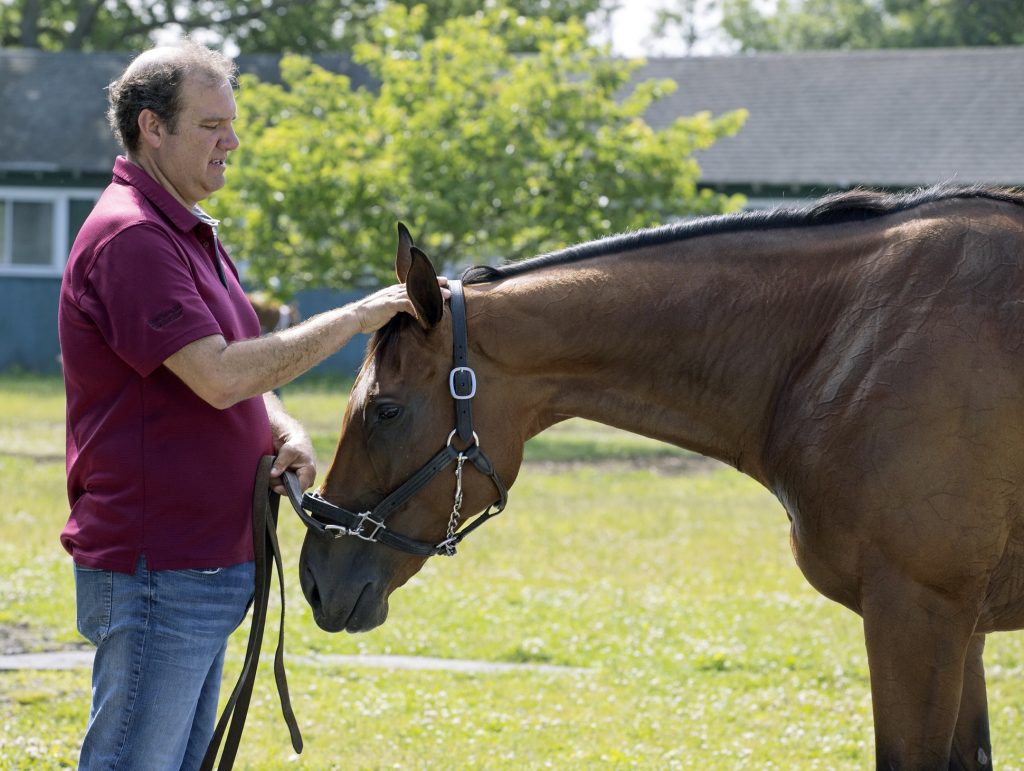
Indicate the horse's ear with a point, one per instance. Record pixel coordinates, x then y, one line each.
421 284
403 260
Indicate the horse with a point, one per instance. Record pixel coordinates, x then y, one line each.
273 315
861 357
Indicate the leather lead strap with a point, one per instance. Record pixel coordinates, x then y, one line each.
267 553
463 380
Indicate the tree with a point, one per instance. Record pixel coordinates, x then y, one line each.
956 22
803 25
798 25
304 26
484 154
118 25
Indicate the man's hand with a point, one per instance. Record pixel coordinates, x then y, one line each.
294 456
376 310
292 446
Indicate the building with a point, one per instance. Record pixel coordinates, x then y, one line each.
818 122
827 121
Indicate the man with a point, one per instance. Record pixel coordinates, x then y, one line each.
168 413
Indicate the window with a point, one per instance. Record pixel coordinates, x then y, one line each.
31 233
78 210
38 227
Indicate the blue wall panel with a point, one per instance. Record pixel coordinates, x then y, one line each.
347 360
28 324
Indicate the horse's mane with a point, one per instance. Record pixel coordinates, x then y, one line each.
383 344
852 206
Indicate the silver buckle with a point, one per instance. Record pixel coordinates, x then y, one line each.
472 383
357 531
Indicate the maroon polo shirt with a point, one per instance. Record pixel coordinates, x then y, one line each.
152 468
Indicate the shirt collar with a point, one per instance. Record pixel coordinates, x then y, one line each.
205 218
130 174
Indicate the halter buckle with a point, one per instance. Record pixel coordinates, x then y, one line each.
472 383
357 531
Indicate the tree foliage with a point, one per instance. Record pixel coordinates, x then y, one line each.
302 26
798 25
484 154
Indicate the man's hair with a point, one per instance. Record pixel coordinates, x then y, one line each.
153 81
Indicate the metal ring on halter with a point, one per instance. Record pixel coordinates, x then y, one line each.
476 439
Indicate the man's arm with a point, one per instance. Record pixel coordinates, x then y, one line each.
292 446
223 373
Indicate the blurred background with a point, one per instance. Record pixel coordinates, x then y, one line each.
497 131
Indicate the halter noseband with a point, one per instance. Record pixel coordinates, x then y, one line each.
325 517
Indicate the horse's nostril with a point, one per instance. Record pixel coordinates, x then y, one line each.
312 591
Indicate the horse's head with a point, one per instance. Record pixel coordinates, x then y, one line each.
400 418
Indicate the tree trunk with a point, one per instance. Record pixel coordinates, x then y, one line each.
87 10
30 24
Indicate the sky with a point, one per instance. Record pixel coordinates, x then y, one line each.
630 31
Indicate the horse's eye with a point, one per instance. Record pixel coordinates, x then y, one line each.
386 412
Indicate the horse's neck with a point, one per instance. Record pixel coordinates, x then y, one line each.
692 347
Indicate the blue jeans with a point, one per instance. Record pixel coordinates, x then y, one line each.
160 638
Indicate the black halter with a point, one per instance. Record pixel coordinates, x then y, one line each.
325 517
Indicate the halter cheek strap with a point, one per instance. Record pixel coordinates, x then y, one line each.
462 379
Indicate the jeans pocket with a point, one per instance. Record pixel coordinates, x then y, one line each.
93 596
198 571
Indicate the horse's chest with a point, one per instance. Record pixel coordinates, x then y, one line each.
1004 601
827 556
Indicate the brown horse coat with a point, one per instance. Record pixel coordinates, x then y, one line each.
862 359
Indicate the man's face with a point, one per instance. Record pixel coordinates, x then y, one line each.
192 160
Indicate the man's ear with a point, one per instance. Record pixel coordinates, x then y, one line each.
403 260
151 128
421 285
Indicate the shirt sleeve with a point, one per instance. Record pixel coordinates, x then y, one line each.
142 295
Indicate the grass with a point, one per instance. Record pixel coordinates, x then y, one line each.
688 636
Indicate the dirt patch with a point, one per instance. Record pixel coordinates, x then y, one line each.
663 465
18 638
39 457
23 638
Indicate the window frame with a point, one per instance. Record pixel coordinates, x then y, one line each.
60 199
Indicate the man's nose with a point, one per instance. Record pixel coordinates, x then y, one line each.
230 140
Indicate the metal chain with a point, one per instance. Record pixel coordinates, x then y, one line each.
453 521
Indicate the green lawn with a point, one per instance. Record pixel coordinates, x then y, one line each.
683 633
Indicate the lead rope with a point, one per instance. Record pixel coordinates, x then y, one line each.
267 554
453 521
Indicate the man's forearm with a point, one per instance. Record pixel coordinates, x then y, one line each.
225 373
282 425
269 362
